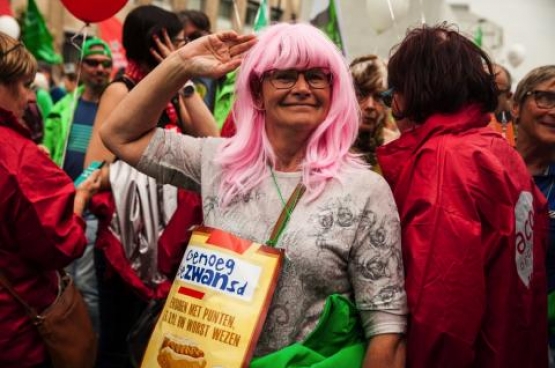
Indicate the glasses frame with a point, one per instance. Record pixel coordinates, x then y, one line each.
537 92
503 91
93 63
269 74
179 42
13 48
387 97
364 95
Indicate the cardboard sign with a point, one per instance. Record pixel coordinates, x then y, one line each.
217 304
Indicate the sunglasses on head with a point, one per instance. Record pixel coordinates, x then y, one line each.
93 63
387 96
15 47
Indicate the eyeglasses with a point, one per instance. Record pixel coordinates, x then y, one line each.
180 41
94 63
543 99
362 95
317 78
387 96
503 91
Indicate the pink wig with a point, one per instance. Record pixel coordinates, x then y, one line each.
246 157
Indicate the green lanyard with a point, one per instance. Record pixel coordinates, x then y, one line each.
288 208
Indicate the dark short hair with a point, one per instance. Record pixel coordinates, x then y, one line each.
140 25
438 70
197 18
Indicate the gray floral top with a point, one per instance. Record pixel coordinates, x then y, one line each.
347 241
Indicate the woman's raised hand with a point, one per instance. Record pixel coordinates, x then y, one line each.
164 46
216 54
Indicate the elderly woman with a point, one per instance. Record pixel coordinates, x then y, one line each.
40 229
296 119
471 217
534 112
370 79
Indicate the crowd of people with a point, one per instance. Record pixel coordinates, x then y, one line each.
426 187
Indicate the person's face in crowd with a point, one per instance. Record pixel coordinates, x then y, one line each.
95 71
397 106
15 97
372 108
536 114
298 99
190 29
179 40
191 32
504 88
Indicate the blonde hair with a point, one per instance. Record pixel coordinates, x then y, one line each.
531 80
369 74
16 62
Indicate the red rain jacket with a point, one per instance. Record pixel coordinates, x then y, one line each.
39 234
474 243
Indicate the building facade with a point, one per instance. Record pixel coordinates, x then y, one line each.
224 14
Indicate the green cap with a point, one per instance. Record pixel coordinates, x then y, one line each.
93 43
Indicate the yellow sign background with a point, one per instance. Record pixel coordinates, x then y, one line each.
224 327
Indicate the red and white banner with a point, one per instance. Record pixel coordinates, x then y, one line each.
111 31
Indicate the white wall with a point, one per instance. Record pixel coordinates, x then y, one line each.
528 22
361 38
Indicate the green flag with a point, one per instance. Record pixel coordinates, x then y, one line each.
36 37
324 15
262 19
224 98
225 92
478 35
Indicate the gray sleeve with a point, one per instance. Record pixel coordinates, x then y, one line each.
380 322
376 264
173 158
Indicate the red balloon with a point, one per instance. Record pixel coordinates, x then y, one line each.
92 11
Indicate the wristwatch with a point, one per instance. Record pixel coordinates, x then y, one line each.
188 89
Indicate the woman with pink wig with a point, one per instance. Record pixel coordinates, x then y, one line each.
297 117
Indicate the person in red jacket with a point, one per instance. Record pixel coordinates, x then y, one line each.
40 226
473 222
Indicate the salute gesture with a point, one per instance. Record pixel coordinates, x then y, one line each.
128 129
216 54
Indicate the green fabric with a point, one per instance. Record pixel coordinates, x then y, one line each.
57 125
225 92
328 22
478 36
224 98
551 312
91 43
332 28
262 18
336 342
44 101
36 37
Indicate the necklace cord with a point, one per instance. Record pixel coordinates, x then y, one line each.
286 212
